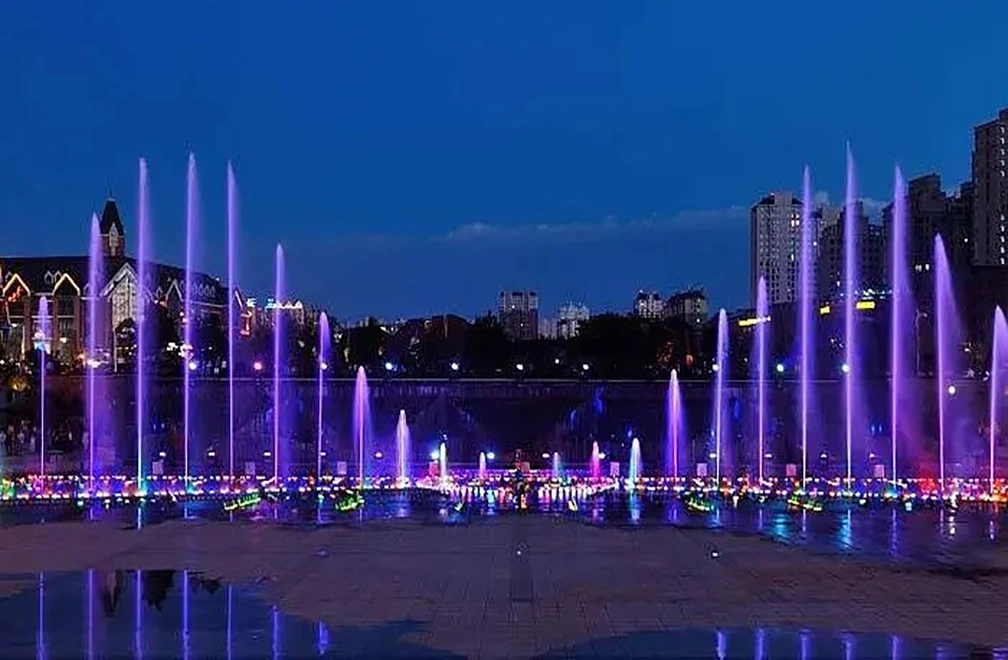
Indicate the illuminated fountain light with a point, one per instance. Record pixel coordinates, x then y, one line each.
482 466
403 450
634 472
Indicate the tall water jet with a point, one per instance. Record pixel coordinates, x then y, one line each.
43 335
999 334
944 307
188 351
95 270
556 466
762 313
443 463
720 365
897 305
403 449
482 466
277 361
850 289
360 421
143 259
232 266
634 473
806 302
323 365
595 466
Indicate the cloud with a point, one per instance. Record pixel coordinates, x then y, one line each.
872 206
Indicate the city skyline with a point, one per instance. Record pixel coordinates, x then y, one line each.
530 179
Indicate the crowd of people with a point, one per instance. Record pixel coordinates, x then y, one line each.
22 439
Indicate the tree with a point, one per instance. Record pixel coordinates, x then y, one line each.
488 349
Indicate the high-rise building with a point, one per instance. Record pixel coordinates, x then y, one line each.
519 313
649 305
931 211
775 246
869 250
569 319
990 228
690 305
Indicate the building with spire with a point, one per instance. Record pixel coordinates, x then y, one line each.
63 281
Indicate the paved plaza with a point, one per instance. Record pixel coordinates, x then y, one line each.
517 586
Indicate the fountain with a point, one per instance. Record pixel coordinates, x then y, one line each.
482 466
851 228
998 337
443 464
806 301
556 466
361 418
634 473
897 322
595 466
323 356
762 312
43 335
232 250
403 450
143 291
95 273
719 367
945 345
278 362
673 425
189 359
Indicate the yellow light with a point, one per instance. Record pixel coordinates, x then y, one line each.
824 310
865 304
745 323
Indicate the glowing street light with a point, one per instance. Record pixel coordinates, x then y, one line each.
845 368
585 367
192 365
389 366
454 366
490 456
520 367
257 366
780 367
951 390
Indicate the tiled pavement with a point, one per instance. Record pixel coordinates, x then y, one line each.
471 592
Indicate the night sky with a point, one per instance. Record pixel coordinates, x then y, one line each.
416 157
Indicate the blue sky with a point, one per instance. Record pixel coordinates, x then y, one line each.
415 157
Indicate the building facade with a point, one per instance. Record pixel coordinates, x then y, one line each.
518 312
649 305
64 283
990 187
689 305
775 246
869 250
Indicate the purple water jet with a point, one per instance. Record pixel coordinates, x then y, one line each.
595 467
806 301
323 365
403 451
361 418
897 303
482 466
945 309
673 425
720 366
232 266
556 466
850 288
95 272
277 359
43 335
141 321
188 350
999 334
762 312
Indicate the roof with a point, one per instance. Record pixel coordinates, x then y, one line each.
110 218
45 274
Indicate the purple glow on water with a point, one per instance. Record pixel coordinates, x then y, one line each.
851 228
277 361
90 595
360 421
43 335
721 363
998 337
762 312
189 351
232 266
185 615
95 274
143 258
323 356
403 451
806 301
897 325
41 652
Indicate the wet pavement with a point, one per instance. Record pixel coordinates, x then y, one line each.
414 573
